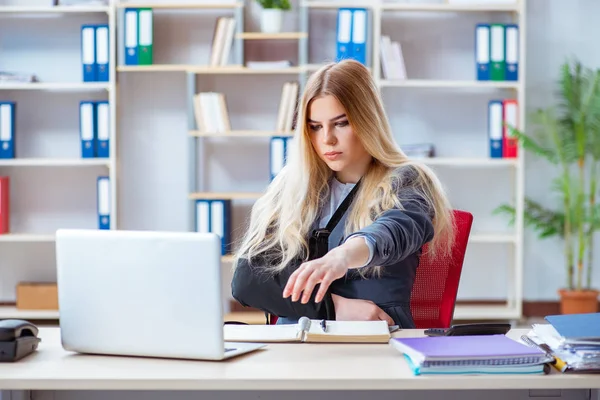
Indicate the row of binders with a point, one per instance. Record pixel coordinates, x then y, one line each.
352 30
95 52
94 129
214 216
138 36
102 206
497 52
502 116
279 150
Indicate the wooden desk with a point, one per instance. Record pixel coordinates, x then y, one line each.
278 367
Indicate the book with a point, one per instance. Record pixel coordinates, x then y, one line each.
311 331
471 350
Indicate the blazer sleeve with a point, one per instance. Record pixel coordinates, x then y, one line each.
398 233
254 288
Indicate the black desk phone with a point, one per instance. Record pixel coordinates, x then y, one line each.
18 338
470 329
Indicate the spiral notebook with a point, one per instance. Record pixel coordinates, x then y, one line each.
469 351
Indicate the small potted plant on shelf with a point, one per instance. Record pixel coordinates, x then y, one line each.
568 137
271 17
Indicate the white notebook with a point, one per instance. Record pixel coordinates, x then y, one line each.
307 331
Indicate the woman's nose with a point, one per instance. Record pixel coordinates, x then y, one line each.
328 136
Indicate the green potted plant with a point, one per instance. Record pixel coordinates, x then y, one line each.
568 137
271 17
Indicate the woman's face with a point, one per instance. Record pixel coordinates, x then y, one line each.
334 140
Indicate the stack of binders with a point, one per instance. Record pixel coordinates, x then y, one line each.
352 30
214 216
497 52
503 115
138 36
95 53
7 129
279 153
94 129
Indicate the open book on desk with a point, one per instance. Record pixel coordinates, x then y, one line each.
312 331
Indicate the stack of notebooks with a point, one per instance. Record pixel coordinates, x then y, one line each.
573 340
477 354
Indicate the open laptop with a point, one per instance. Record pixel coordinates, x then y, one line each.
142 293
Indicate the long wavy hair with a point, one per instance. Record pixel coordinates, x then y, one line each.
281 219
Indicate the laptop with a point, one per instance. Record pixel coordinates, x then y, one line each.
142 293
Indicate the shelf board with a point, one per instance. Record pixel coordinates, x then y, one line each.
492 238
434 83
469 161
53 9
26 237
154 68
225 195
240 134
54 162
449 7
271 36
485 312
57 86
339 4
174 5
12 312
241 70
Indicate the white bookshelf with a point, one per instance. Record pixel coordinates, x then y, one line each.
513 89
68 91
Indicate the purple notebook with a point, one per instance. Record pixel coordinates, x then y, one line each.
457 349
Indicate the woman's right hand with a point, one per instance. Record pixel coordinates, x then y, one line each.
358 310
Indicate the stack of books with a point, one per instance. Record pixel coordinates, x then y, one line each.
473 354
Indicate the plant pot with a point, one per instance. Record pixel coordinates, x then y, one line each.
578 301
271 20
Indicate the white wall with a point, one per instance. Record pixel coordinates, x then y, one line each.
153 129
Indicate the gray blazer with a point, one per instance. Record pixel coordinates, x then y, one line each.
397 237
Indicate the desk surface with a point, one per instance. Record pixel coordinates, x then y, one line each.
300 366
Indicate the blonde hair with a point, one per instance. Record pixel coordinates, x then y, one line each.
281 219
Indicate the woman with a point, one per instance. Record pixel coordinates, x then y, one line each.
366 268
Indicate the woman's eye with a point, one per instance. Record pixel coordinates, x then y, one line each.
314 127
342 124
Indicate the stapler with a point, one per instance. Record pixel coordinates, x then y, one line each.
18 338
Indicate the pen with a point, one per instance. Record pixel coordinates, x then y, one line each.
324 325
557 363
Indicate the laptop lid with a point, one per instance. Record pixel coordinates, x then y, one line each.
140 293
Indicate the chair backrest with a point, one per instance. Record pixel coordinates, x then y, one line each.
434 292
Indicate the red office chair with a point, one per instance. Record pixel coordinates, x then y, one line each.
436 285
